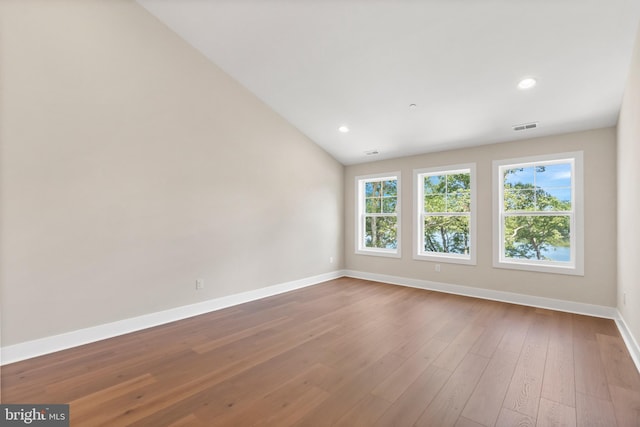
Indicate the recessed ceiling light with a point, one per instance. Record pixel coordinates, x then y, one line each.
412 106
527 83
343 129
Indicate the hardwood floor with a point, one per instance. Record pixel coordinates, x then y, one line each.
348 353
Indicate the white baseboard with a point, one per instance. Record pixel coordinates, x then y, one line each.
629 340
510 297
39 347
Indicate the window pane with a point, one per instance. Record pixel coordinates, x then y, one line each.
518 176
538 237
459 202
390 188
519 199
380 232
372 189
389 204
562 194
458 181
446 234
373 205
435 203
434 184
557 200
549 176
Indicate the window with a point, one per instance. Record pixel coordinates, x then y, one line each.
445 214
539 214
378 221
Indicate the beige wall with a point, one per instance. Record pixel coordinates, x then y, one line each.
132 166
598 286
629 199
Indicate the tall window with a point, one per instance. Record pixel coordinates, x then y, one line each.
540 213
378 221
445 214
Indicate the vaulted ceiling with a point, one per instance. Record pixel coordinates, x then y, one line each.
322 64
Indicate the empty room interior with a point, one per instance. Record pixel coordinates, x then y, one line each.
315 213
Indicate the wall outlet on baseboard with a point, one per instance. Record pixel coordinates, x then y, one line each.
199 284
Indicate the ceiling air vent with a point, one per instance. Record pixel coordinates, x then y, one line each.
371 152
525 126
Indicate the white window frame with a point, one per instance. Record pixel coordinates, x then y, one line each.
576 265
361 214
418 215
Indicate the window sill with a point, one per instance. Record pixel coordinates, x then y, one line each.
445 259
538 268
380 253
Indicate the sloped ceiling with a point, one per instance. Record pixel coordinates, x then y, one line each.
361 63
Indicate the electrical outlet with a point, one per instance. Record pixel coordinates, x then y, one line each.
199 284
330 260
624 298
437 268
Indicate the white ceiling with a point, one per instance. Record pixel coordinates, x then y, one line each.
325 63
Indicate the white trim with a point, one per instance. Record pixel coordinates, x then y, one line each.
514 298
488 294
418 209
629 340
360 180
576 267
39 347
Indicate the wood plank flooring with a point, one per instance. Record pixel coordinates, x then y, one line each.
347 353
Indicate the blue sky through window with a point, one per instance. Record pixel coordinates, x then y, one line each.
555 179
